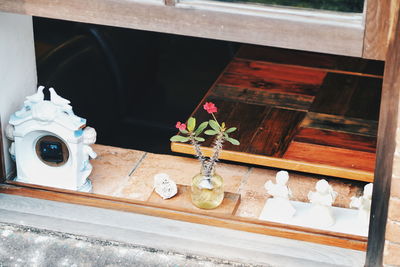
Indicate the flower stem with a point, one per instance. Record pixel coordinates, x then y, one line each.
197 149
218 143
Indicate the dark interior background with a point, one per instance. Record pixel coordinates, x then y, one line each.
132 86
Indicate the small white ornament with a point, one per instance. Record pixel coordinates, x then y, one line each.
322 200
280 204
363 204
165 186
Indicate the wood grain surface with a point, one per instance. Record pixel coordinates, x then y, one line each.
329 63
182 201
299 110
295 30
386 144
380 15
213 219
336 139
332 156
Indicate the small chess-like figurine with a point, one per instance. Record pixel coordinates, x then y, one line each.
322 200
279 203
363 204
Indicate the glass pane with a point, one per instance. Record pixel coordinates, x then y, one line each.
334 5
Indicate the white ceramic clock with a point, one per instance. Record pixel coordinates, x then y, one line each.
50 144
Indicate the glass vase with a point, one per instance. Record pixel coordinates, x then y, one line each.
207 191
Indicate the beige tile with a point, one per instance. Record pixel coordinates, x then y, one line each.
391 255
392 231
111 168
180 169
251 204
394 209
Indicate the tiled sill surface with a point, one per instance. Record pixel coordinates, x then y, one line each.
126 173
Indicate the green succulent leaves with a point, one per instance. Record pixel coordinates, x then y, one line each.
191 124
201 128
192 133
179 138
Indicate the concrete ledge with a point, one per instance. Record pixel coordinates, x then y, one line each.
173 236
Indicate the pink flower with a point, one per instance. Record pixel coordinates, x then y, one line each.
210 107
180 126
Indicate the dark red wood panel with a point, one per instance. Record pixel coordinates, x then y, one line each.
333 156
335 94
246 118
340 124
365 101
273 85
268 71
336 139
297 109
276 132
262 97
309 59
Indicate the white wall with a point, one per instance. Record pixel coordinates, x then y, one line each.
17 68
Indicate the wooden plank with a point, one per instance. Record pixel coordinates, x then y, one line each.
335 94
269 84
336 139
388 123
262 97
247 118
2 163
341 35
267 70
332 156
276 132
226 221
329 63
380 15
365 101
182 200
281 163
340 124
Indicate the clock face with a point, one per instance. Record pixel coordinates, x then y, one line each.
52 151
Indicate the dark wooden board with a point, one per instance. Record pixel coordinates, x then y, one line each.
262 97
335 94
326 155
268 70
340 124
276 132
388 123
299 111
246 118
273 85
352 65
336 139
365 101
182 201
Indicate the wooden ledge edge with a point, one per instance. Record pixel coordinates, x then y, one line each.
237 223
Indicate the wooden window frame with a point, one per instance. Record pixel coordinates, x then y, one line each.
341 34
370 40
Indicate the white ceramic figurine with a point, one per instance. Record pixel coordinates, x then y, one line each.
165 186
322 200
280 192
363 204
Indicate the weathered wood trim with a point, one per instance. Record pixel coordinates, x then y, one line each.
339 34
219 220
288 164
385 148
379 18
2 163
